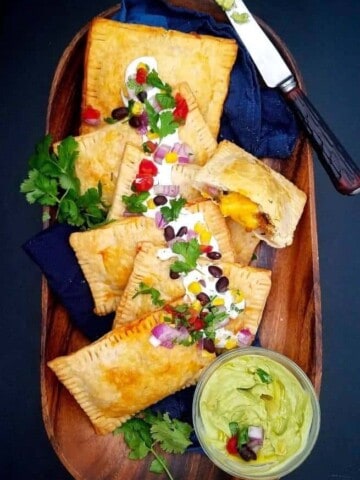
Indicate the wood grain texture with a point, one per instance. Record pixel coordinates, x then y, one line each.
291 323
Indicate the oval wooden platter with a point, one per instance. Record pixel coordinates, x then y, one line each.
291 323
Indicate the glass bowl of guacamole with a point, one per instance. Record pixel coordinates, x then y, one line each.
256 413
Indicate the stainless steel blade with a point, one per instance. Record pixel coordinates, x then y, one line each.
267 59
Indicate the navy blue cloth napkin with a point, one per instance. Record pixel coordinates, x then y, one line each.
255 117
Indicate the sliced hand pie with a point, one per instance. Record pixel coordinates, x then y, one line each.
99 157
106 256
204 61
253 283
123 373
253 194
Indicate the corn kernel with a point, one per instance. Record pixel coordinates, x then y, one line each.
150 204
206 354
237 296
142 65
171 157
196 306
199 227
152 135
231 343
195 287
205 237
137 108
218 302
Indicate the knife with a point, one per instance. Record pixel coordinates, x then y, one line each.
342 170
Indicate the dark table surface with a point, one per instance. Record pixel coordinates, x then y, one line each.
324 37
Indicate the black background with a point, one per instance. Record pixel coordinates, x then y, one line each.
324 37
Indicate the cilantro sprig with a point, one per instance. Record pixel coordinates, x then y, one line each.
162 123
52 181
145 289
153 432
190 251
135 202
172 212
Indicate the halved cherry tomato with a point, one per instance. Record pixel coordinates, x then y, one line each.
149 146
143 183
147 167
181 109
141 75
231 445
205 248
90 113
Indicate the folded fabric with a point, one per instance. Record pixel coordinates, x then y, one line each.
51 251
256 118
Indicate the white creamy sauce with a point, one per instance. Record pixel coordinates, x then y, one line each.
130 72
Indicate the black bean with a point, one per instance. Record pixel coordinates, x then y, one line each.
209 345
120 113
222 284
169 233
246 453
135 121
203 298
182 231
142 96
160 200
215 271
214 255
174 275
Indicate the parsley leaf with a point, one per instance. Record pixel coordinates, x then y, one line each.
172 212
155 294
154 80
52 181
110 120
162 123
264 376
133 85
141 435
165 100
172 434
134 202
190 251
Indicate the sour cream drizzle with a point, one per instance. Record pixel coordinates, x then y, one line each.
186 218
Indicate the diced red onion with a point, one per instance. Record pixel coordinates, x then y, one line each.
169 335
176 147
255 447
185 150
191 234
142 130
93 121
160 152
256 435
160 221
183 160
244 337
213 191
167 190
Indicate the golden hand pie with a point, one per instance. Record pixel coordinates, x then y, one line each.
244 242
205 62
256 196
123 373
254 284
99 158
106 256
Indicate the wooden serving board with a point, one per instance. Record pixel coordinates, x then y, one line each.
291 323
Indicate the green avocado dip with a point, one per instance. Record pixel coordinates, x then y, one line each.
252 390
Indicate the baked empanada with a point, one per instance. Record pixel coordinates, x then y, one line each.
254 284
123 373
106 256
253 194
99 158
205 62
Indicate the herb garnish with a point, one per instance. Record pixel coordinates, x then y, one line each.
264 376
190 251
52 181
154 80
145 289
162 123
135 202
143 435
172 212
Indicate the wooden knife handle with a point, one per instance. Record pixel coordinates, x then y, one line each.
342 170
